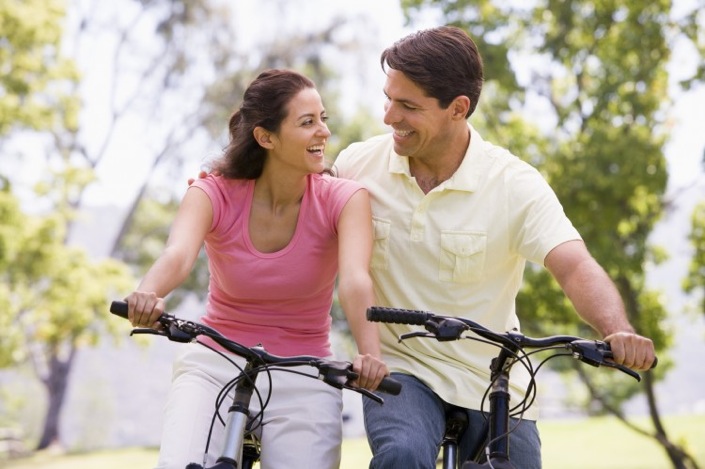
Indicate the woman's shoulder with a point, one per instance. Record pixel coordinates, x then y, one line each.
220 183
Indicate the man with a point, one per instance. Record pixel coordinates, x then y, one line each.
455 219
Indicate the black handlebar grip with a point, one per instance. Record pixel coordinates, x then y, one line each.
119 308
389 386
397 315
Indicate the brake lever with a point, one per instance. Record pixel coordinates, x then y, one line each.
598 353
623 369
409 335
148 330
339 375
171 332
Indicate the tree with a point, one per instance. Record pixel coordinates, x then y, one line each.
35 74
51 293
597 73
174 70
52 297
695 281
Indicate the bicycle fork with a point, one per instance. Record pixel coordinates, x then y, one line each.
498 438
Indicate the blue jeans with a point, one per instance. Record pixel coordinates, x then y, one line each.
407 430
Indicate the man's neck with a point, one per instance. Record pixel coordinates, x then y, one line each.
432 172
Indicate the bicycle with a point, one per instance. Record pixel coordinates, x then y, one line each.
241 449
494 451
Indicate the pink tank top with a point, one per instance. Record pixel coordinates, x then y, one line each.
282 299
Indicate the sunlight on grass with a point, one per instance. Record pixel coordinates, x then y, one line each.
575 444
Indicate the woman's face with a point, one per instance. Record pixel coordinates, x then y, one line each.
300 142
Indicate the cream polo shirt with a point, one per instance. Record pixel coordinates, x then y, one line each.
459 250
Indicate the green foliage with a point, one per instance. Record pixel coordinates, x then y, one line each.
52 296
695 281
34 81
598 70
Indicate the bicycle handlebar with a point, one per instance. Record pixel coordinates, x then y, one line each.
335 373
444 328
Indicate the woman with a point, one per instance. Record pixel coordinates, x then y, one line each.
277 231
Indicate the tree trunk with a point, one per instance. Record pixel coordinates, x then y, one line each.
678 456
56 383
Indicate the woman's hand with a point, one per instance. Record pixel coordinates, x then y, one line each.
144 309
370 370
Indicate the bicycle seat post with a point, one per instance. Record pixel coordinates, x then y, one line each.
456 423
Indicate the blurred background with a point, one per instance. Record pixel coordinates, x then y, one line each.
107 108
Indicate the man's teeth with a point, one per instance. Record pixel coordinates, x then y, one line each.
403 133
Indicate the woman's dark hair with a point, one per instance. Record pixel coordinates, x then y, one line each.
264 104
443 61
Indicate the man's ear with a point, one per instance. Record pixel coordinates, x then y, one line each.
263 137
460 107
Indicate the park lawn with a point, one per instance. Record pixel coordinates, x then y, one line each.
567 444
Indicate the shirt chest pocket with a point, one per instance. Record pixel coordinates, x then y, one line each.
462 256
380 248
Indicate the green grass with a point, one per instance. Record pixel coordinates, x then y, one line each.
574 444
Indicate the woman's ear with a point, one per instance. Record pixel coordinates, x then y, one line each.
263 137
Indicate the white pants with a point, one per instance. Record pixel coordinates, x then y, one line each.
302 425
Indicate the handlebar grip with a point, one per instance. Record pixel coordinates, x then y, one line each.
398 315
389 386
119 308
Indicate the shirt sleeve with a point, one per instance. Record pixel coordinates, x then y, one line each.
538 219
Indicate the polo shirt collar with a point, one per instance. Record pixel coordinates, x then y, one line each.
468 175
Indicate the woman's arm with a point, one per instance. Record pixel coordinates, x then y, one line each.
192 222
355 289
598 302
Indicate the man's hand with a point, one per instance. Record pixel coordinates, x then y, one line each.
201 174
632 350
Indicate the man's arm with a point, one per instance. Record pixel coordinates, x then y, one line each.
597 301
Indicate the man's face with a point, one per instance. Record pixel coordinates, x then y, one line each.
421 127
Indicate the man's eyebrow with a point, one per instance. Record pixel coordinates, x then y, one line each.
402 100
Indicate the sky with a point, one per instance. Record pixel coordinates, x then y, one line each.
125 167
684 152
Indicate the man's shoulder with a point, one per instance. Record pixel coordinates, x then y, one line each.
328 183
366 147
503 158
